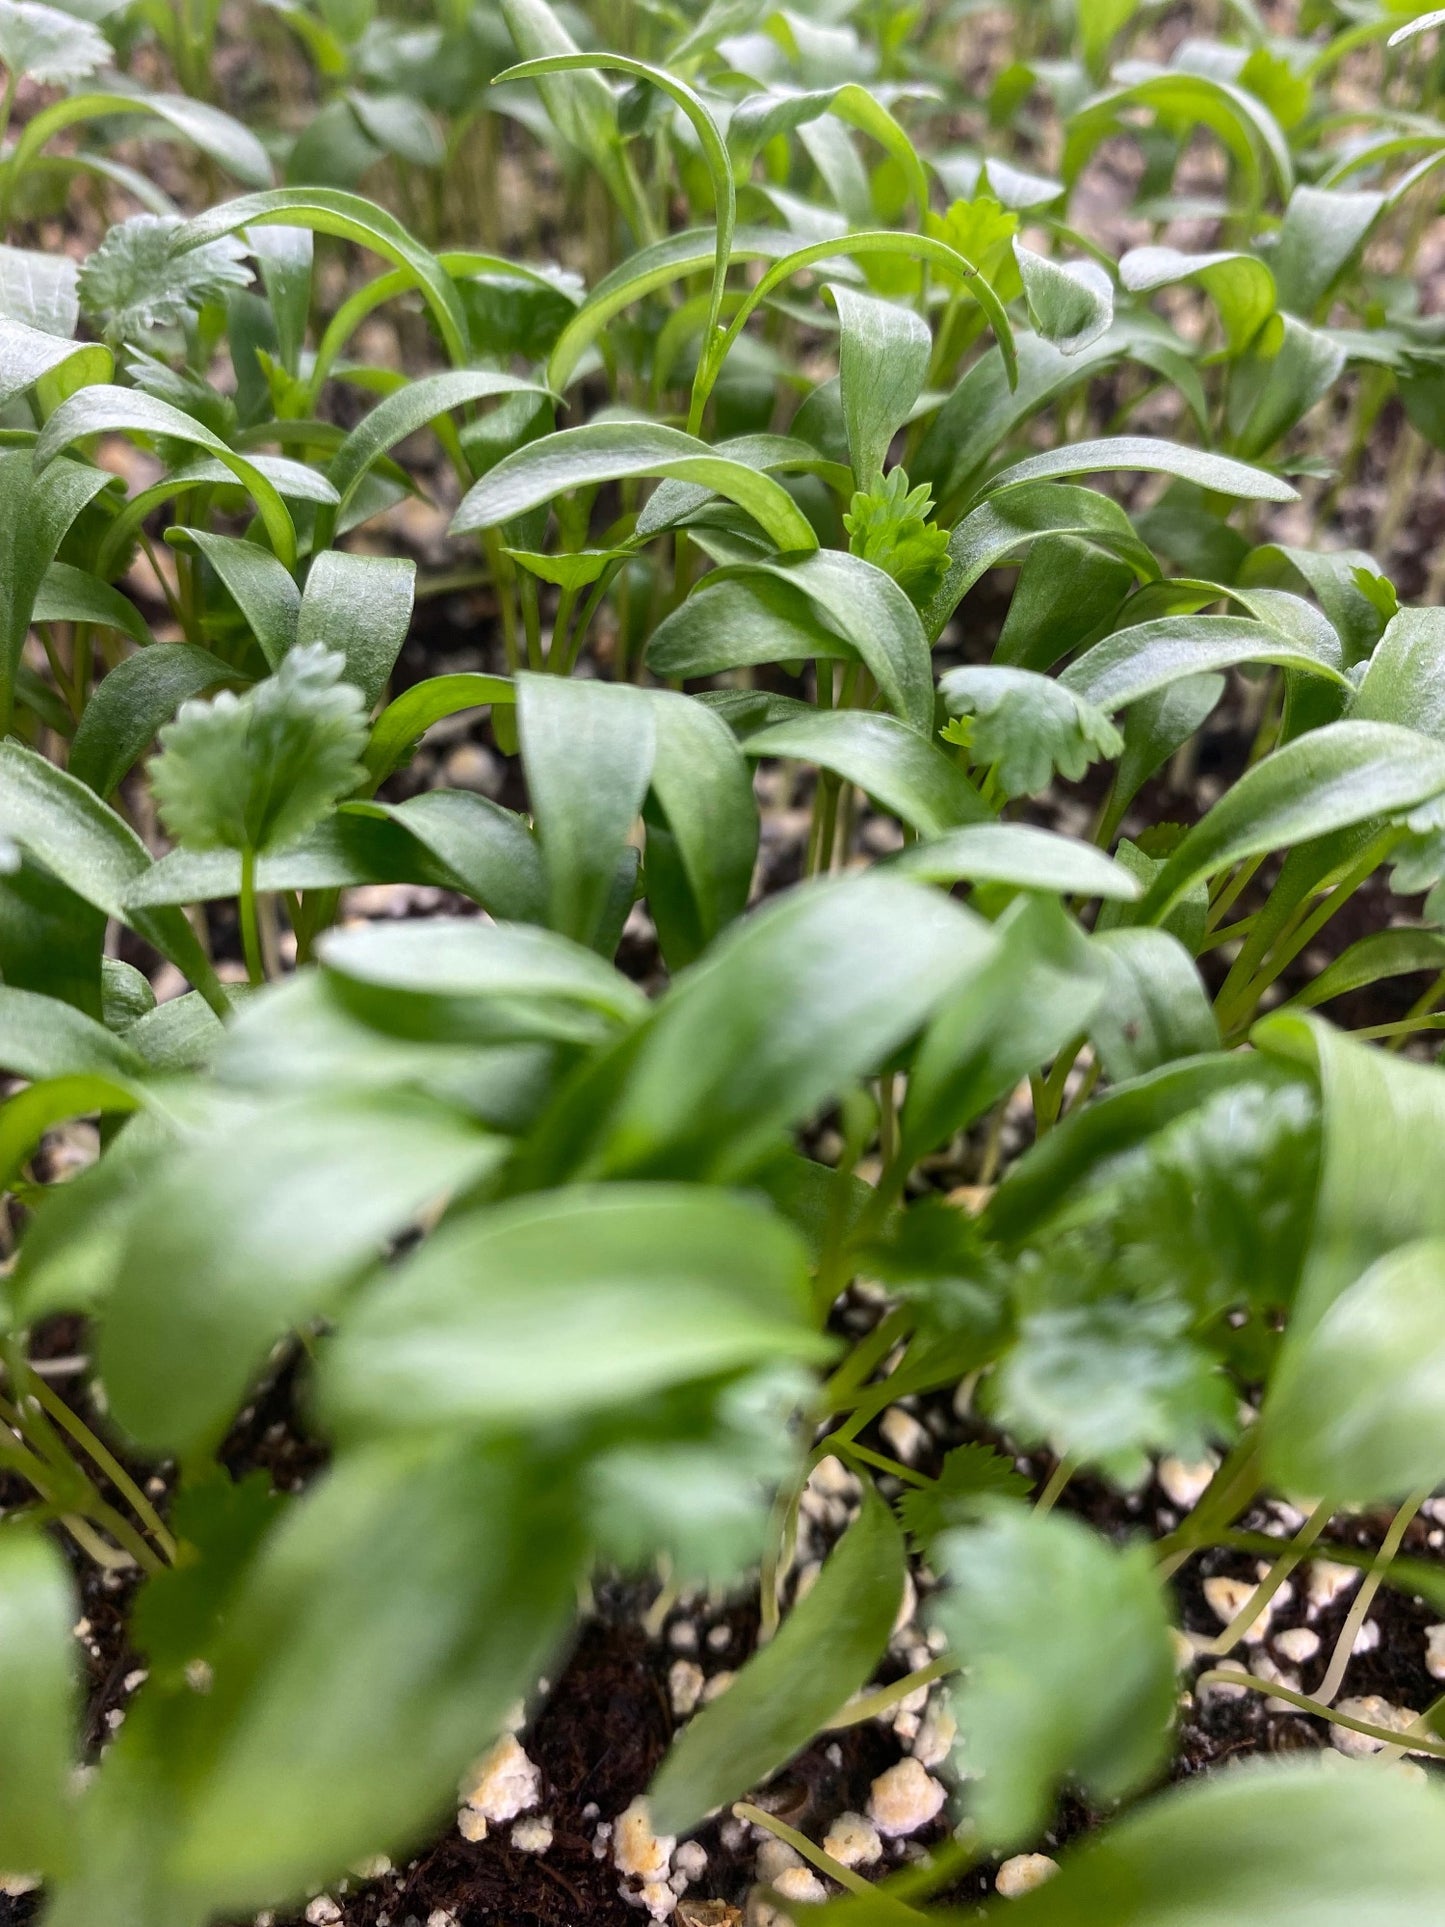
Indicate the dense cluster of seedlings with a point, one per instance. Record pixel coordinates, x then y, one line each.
624 1216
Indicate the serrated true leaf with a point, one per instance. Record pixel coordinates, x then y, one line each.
135 281
1041 1703
255 771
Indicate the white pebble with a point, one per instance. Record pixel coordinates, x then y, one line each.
323 1911
719 1639
1328 1581
532 1835
937 1734
1226 1597
774 1857
717 1685
1184 1485
1435 1651
470 1825
685 1682
503 1783
1299 1643
636 1849
800 1883
656 1896
1378 1712
682 1636
1367 1638
1023 1873
904 1799
852 1841
440 1917
690 1860
901 1432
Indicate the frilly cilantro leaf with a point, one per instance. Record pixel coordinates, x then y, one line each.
254 772
1111 1382
983 232
888 525
133 282
1027 726
1069 1671
49 46
972 1475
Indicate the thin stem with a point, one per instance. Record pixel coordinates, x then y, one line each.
1365 1598
1058 1479
1259 1599
95 1449
250 930
1231 1676
887 1697
801 1844
881 1462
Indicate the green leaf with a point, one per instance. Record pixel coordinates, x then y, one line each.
587 748
41 1037
225 140
261 588
359 606
48 45
1020 854
823 1652
1147 657
39 1692
568 1303
39 290
65 826
1377 1188
579 105
883 357
789 1007
1243 125
619 451
134 281
292 1772
38 509
1299 1841
255 771
132 703
51 940
1155 1007
1344 774
970 1479
350 218
103 409
242 1236
458 979
997 529
1268 394
1322 230
1071 303
1025 726
1240 285
1355 1408
738 616
406 719
703 787
1007 1017
1088 1699
410 408
658 265
904 772
1383 954
489 853
1066 594
1115 453
68 594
